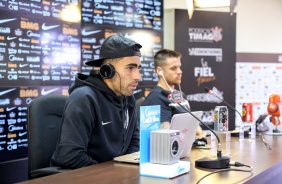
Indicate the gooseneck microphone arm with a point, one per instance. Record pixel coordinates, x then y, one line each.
219 163
167 93
211 92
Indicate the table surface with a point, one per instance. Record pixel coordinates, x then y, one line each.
254 154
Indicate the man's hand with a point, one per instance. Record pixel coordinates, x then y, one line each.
200 133
165 125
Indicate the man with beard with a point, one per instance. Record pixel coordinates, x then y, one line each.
168 68
99 119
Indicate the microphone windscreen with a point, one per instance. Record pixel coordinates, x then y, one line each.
165 93
207 89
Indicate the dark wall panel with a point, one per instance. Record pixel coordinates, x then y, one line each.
207 44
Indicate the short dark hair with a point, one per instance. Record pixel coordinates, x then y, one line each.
161 56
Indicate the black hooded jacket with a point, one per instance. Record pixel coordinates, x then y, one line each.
93 128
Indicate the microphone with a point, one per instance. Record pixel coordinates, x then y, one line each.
167 94
211 92
220 162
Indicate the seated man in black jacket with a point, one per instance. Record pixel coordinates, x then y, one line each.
99 120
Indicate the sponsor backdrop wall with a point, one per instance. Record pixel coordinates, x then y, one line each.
258 75
207 44
40 53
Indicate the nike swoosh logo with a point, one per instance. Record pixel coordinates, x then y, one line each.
11 38
6 91
53 67
105 123
55 4
7 20
44 41
22 65
96 46
242 67
86 33
107 12
43 92
9 109
21 134
44 27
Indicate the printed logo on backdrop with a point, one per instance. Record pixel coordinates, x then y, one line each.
217 52
145 15
29 44
29 93
207 97
2 57
204 73
207 35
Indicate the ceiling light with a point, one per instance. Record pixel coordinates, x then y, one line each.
211 3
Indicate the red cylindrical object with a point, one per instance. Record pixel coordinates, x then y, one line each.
247 112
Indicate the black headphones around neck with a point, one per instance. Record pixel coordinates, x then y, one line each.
107 71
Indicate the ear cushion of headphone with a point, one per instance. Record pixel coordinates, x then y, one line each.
161 72
107 71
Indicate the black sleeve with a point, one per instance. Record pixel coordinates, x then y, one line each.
78 122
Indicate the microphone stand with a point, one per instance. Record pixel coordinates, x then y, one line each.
220 162
264 141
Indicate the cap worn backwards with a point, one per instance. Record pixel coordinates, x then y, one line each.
116 46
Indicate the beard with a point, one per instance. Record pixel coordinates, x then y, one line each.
174 82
